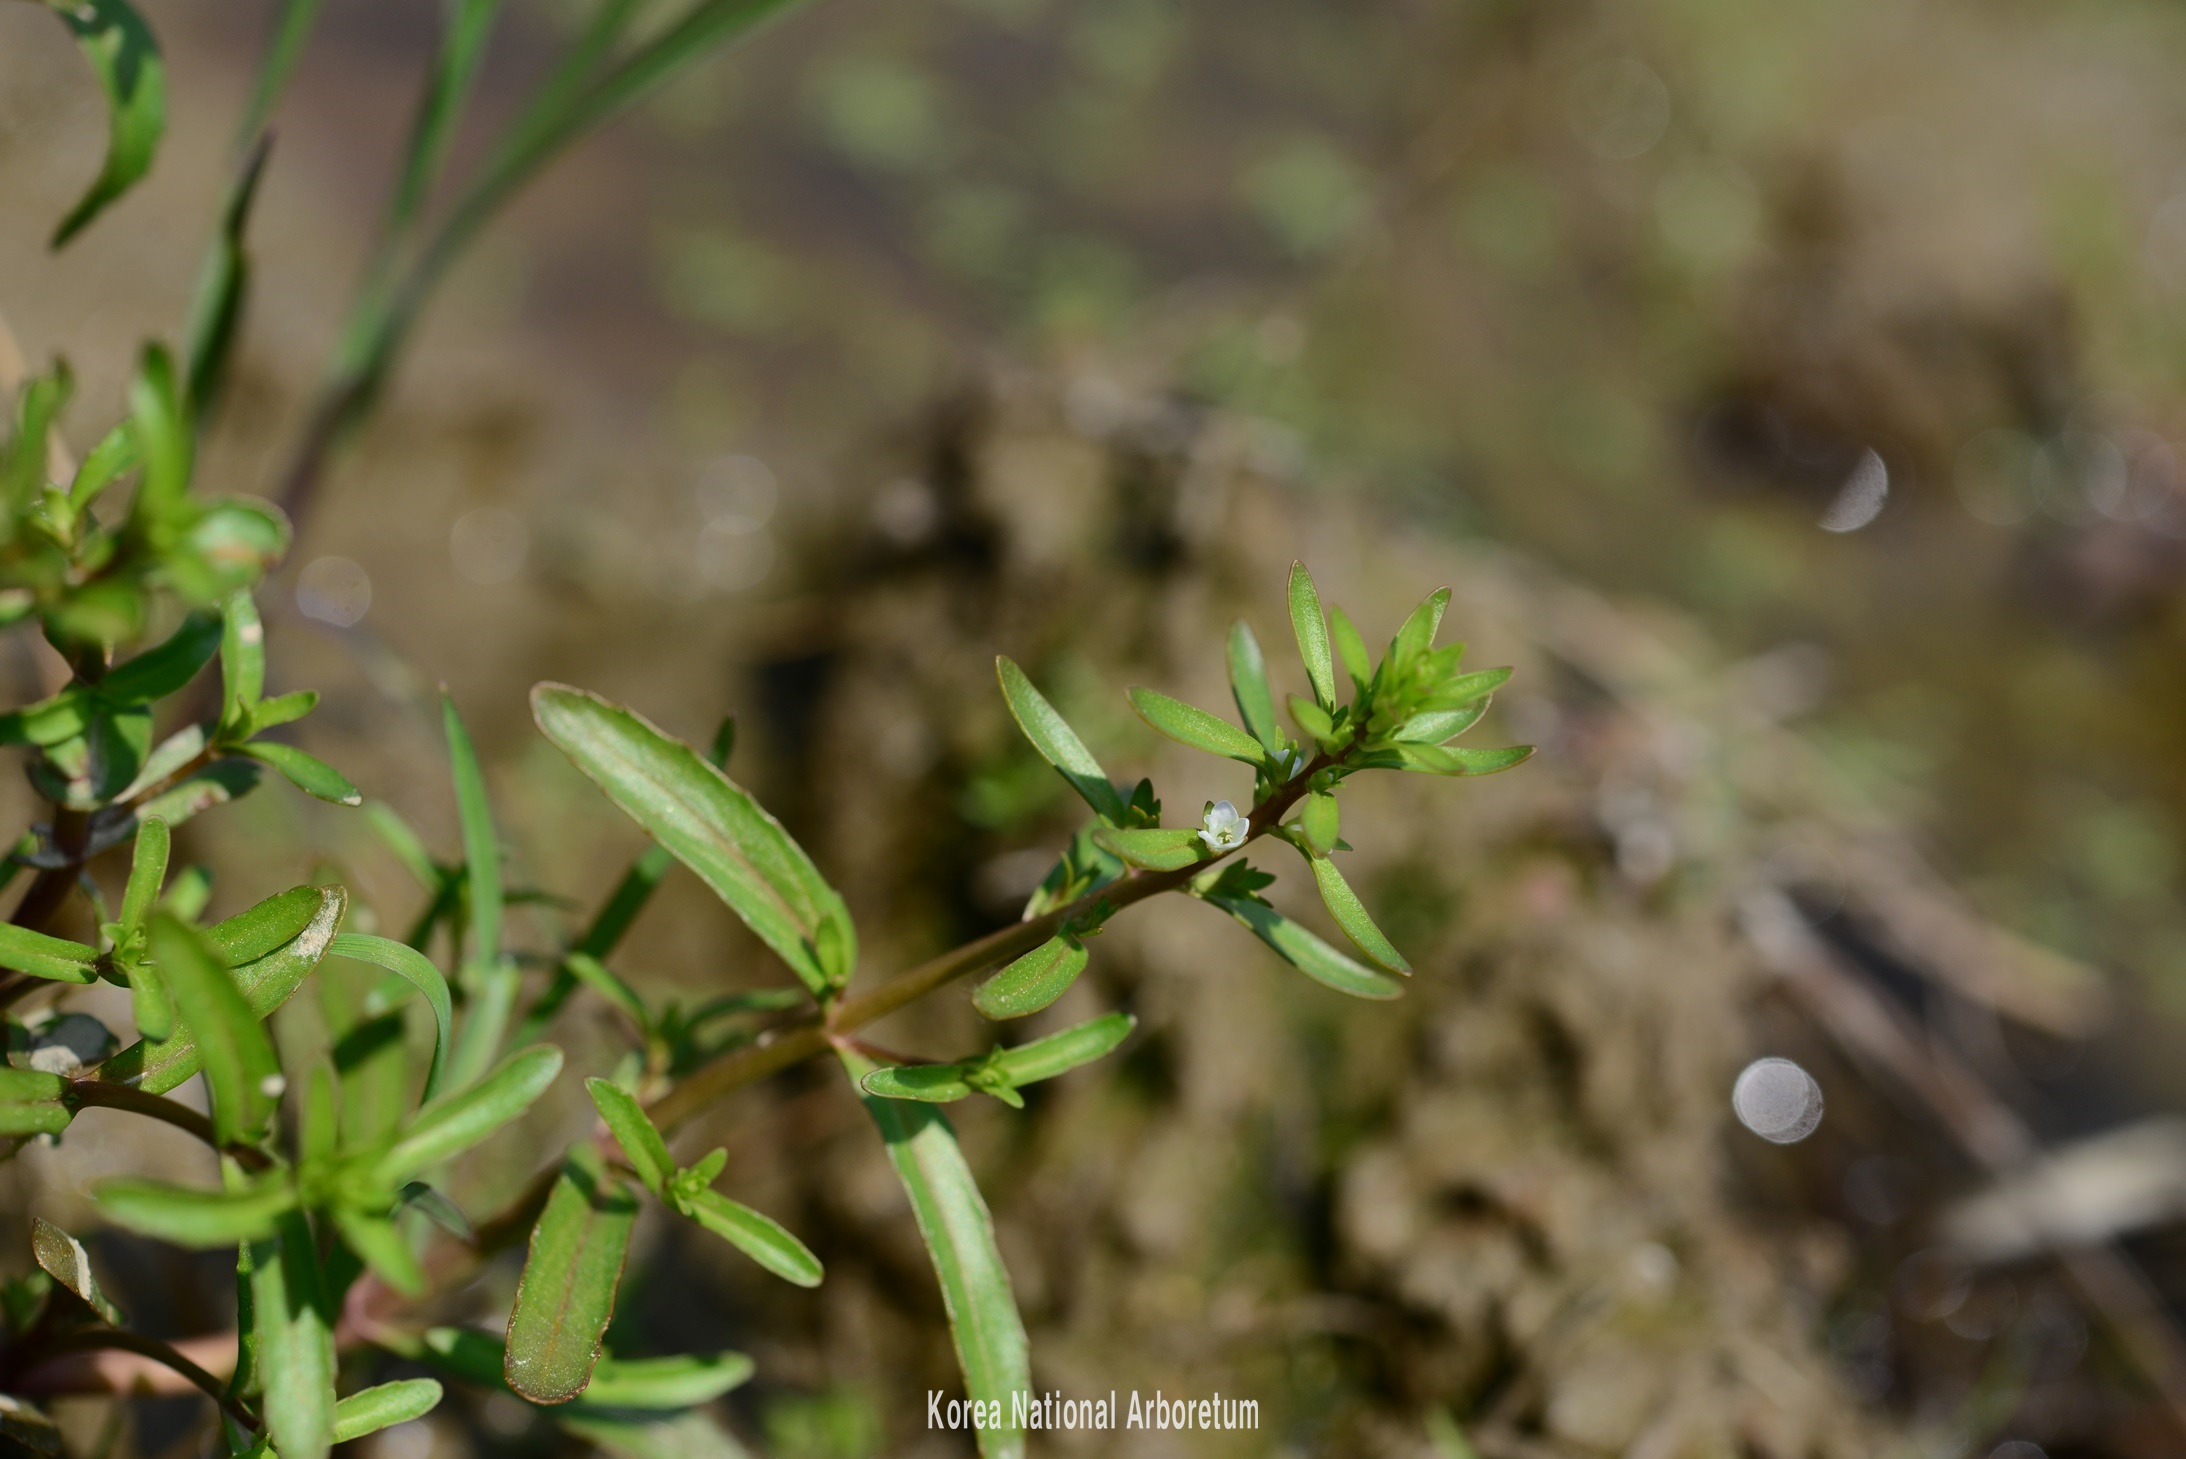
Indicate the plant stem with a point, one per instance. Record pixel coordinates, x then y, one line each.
92 1339
71 833
97 1094
797 1044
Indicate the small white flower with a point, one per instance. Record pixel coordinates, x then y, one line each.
1225 828
272 1086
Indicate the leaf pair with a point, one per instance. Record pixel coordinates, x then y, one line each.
1004 1071
1300 947
689 1189
244 713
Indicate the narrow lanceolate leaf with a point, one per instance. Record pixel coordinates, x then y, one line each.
567 1293
194 1218
1357 663
295 1326
66 1261
383 1248
1033 981
308 773
481 847
594 974
1059 1053
455 1122
1343 904
242 1073
627 1122
369 1410
113 457
269 950
762 1238
1249 687
1417 633
1154 849
31 1102
678 1382
712 825
927 1083
159 672
31 1427
1458 760
1058 743
1307 953
147 873
1437 725
959 1236
1312 629
1190 725
40 956
121 49
223 283
417 970
242 662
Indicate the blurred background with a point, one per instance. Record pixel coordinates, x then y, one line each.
1791 392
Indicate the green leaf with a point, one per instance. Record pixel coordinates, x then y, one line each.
661 1383
1193 726
64 716
1307 953
163 441
31 1102
242 1073
1350 649
223 282
481 847
927 1083
283 709
1058 743
418 971
216 784
278 64
122 50
1033 981
455 1122
1083 869
307 773
29 1426
1249 687
186 1216
1417 633
959 1234
294 1322
242 663
1320 822
1457 760
1437 725
1343 904
627 1122
455 66
113 457
159 672
383 1248
66 1261
269 950
762 1238
40 956
369 1410
594 974
1154 850
26 460
567 1293
408 846
1059 1053
231 544
1312 630
147 873
711 825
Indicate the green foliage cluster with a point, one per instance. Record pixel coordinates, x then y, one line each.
332 1173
